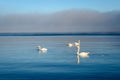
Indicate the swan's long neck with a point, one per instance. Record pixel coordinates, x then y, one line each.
79 46
78 51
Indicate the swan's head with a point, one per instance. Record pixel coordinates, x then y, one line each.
42 50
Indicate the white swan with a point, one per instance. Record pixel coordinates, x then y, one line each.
79 54
70 45
43 50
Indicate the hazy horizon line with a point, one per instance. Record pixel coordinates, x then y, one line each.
57 34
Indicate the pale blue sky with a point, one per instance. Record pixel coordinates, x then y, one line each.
48 6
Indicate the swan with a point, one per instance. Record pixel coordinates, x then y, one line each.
70 45
74 44
42 49
79 54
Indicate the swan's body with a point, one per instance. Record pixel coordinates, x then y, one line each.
42 49
83 54
70 45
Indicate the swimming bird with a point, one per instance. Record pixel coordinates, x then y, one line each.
43 50
70 45
79 54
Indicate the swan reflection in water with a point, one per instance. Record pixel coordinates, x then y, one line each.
79 54
42 50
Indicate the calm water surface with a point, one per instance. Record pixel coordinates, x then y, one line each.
20 59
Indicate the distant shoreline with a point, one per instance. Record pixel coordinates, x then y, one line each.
59 34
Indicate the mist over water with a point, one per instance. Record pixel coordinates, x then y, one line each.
20 59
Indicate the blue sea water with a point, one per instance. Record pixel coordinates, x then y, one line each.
20 59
